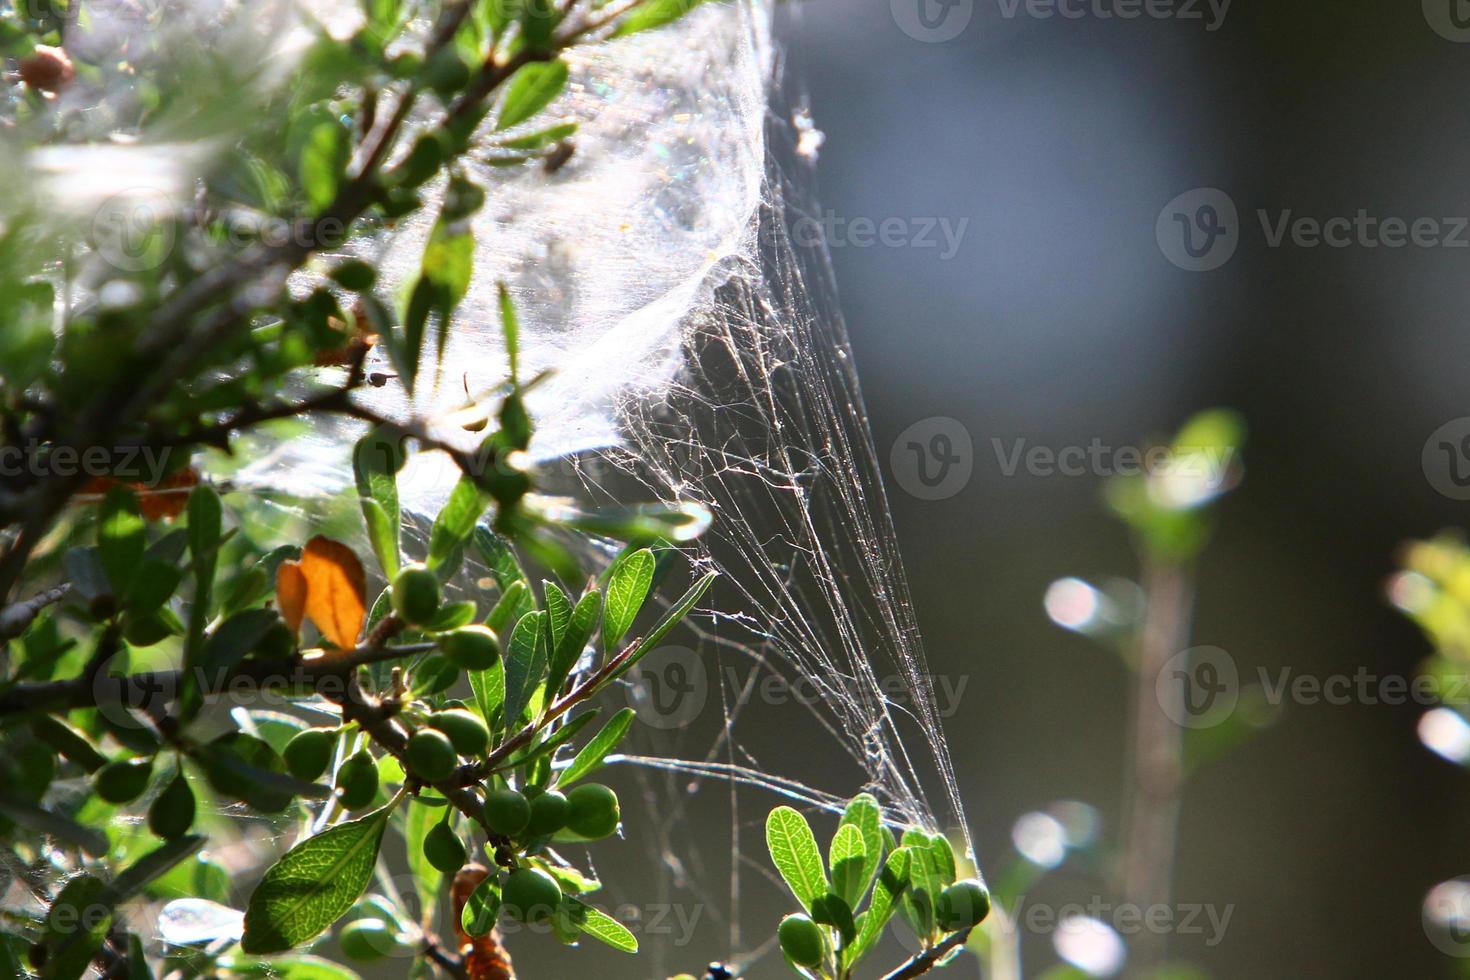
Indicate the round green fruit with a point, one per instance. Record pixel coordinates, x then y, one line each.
465 729
416 595
309 753
123 781
531 895
507 812
431 755
471 647
366 940
548 814
172 814
444 849
963 905
592 811
357 780
802 941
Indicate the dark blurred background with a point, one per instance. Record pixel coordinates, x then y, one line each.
1059 320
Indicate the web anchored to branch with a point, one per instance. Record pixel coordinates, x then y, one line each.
698 355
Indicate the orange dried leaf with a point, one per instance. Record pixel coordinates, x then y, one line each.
169 498
336 590
291 594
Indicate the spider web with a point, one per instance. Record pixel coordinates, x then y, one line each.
696 354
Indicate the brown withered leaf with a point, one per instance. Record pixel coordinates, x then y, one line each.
163 500
484 956
336 590
291 594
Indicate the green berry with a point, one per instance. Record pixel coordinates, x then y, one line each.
366 940
123 781
444 849
431 755
465 729
416 595
507 812
802 941
963 905
592 811
172 814
531 895
548 814
357 780
309 753
471 647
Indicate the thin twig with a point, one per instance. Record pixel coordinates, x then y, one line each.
929 958
17 617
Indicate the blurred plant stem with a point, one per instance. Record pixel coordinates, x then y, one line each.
1155 771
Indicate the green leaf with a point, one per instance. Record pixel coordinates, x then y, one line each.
376 460
482 908
154 865
887 891
504 568
595 751
510 325
864 814
652 14
794 851
574 641
848 860
513 603
670 619
153 584
323 162
627 589
234 638
540 138
558 614
599 925
449 262
925 884
137 960
489 688
420 819
313 885
453 527
532 89
77 922
525 666
560 737
121 538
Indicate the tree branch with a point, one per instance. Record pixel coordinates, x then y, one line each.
929 959
17 617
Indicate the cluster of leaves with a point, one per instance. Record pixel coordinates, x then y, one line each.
915 877
498 765
131 598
